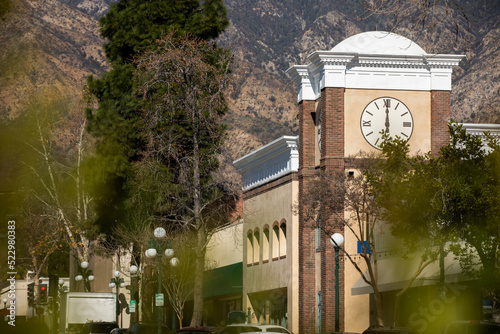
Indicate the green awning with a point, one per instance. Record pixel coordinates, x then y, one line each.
224 281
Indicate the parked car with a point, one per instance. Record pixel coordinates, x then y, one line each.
118 331
98 327
199 330
253 328
387 330
472 327
144 328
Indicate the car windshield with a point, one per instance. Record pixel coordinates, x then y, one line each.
146 329
240 329
102 328
276 330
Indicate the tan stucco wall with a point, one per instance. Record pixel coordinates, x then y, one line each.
225 247
418 102
264 209
357 308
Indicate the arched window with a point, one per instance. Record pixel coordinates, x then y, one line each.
276 242
249 248
256 247
265 245
282 239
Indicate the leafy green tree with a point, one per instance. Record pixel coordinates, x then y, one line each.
402 188
451 200
469 204
131 27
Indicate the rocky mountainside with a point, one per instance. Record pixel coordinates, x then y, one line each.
54 44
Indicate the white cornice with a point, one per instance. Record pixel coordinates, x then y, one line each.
479 130
356 70
269 162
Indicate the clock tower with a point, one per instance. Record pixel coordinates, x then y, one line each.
368 84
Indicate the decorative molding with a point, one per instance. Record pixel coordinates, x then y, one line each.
357 70
477 129
269 162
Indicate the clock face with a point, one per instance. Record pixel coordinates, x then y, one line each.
386 114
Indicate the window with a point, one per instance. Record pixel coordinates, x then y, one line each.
265 245
318 233
256 247
249 248
282 240
276 242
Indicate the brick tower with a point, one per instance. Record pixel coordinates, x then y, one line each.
369 82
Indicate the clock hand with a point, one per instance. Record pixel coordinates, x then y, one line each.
387 120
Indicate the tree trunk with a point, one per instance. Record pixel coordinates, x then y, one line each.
378 302
197 318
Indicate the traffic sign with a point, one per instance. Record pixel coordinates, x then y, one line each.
159 299
131 307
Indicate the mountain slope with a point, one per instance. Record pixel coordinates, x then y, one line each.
46 45
54 44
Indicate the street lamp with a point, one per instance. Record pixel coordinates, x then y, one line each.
117 282
157 247
133 271
337 241
85 275
57 304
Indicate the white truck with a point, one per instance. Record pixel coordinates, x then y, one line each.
82 307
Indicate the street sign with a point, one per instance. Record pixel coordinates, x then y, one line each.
159 299
131 307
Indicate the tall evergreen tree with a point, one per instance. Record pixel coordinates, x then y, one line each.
131 27
182 83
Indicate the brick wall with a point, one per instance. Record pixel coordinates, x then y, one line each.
332 125
307 241
332 158
440 116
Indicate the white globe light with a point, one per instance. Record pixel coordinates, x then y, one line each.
78 277
160 232
169 252
61 282
84 264
112 285
151 253
4 300
174 262
91 278
133 269
337 239
117 274
122 284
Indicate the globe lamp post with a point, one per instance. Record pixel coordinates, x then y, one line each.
85 275
156 247
337 241
117 282
133 271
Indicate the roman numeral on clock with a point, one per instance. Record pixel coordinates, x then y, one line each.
406 124
367 123
387 103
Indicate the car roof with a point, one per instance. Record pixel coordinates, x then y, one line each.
199 329
261 328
